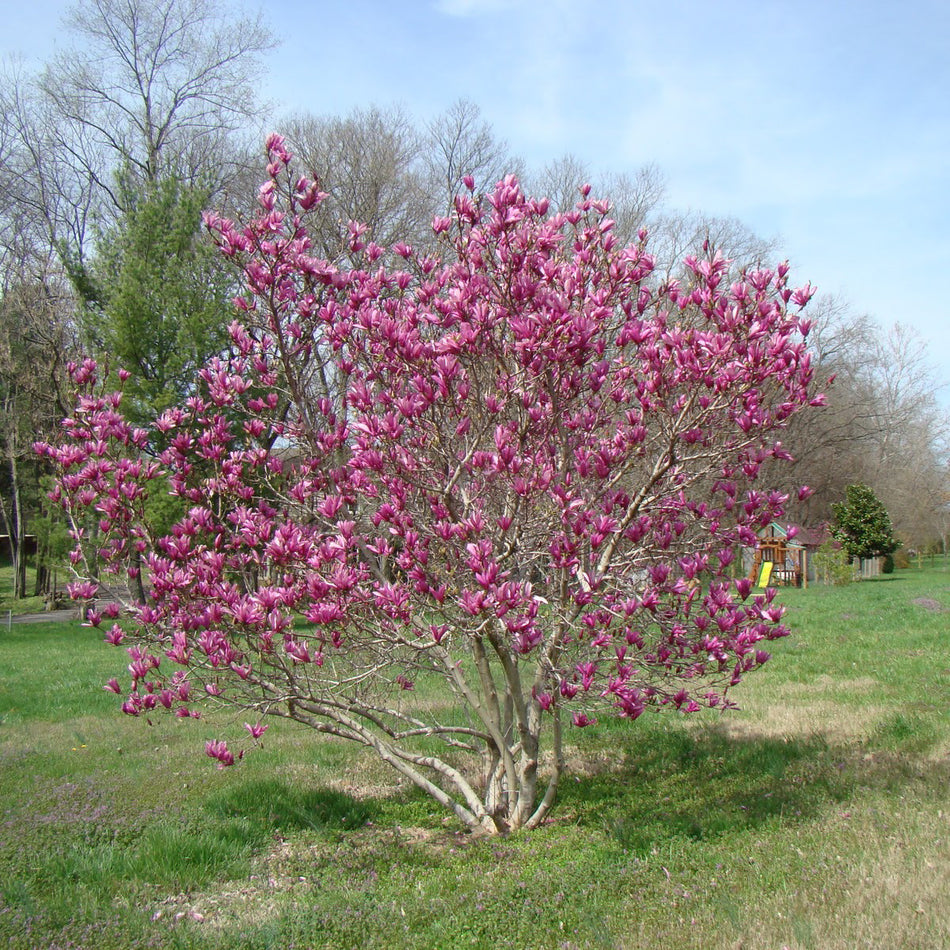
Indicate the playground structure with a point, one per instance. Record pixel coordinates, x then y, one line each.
779 559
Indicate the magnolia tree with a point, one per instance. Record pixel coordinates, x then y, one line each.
862 525
447 507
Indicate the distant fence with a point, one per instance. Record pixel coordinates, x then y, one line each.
867 567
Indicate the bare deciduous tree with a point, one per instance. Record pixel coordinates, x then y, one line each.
461 143
144 92
34 346
635 197
882 425
369 163
156 88
674 235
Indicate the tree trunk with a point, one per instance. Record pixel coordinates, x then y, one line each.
18 546
138 586
42 579
12 520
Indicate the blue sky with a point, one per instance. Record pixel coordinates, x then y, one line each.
823 123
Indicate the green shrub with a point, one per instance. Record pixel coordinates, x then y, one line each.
832 565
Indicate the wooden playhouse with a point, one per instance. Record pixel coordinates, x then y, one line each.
778 559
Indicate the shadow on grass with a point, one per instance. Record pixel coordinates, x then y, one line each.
701 785
279 806
668 783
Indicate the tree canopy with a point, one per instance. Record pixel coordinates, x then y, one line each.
862 524
509 475
157 299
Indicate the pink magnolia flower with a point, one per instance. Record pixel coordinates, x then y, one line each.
218 749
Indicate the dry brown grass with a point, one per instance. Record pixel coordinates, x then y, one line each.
883 883
795 710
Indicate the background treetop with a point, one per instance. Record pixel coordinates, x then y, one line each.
862 524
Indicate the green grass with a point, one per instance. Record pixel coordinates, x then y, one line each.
813 817
18 605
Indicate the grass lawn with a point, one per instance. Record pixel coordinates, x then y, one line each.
814 817
19 605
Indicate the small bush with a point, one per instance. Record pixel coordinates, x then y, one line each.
887 567
832 565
